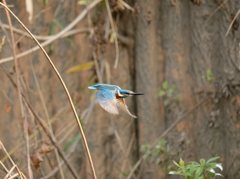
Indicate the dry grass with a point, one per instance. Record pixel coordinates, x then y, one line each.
22 99
10 171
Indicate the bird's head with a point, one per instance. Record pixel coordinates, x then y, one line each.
126 93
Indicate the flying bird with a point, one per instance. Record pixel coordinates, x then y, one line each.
112 97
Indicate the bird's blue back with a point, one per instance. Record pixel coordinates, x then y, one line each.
105 93
104 86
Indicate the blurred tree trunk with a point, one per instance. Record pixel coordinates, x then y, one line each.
148 65
200 63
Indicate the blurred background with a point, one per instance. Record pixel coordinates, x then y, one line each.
183 55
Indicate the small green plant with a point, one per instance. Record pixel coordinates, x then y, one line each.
169 94
161 154
194 170
209 76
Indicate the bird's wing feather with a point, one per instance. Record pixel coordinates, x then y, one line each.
107 100
121 103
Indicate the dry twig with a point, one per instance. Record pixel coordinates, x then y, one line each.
47 115
231 24
9 172
45 128
114 33
43 38
21 102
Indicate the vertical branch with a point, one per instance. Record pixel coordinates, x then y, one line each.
114 31
25 124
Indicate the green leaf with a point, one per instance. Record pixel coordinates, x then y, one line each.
212 159
202 161
112 37
58 23
209 75
145 147
70 143
198 173
61 27
161 93
84 2
171 90
146 155
192 169
176 163
181 162
45 2
165 85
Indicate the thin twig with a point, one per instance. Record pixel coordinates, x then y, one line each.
119 141
114 31
2 147
214 12
165 133
5 32
97 67
15 166
25 123
2 43
230 26
63 84
46 130
43 38
127 5
31 136
10 172
126 157
47 115
14 176
58 35
25 126
54 171
54 142
20 173
5 168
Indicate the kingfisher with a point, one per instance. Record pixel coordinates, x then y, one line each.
112 97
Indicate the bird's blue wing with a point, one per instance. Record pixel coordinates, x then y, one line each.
107 100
